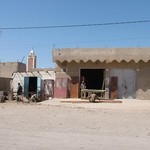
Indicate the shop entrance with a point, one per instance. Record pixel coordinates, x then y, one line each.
94 78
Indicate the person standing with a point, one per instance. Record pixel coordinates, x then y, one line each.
82 87
19 92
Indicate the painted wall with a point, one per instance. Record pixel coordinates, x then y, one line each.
19 77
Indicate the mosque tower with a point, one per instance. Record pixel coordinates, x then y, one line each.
31 61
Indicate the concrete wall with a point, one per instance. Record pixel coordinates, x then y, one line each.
6 71
5 84
143 81
142 73
8 68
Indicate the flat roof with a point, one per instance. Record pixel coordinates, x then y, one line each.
101 54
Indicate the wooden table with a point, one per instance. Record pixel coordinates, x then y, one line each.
85 93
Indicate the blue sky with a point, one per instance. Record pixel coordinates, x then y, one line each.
16 44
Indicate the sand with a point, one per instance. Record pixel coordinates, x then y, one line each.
52 125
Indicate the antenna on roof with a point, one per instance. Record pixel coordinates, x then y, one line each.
22 59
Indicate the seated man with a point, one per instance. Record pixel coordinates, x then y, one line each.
93 97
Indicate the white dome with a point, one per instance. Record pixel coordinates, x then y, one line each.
32 52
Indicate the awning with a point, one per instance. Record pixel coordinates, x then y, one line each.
101 54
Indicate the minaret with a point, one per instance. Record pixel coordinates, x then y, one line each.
31 61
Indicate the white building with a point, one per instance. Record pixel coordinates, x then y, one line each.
35 82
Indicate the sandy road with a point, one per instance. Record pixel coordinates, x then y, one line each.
70 127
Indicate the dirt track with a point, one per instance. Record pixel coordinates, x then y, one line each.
50 127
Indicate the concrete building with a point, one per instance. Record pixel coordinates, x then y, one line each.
39 81
122 72
6 71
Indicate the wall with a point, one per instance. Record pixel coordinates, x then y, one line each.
6 71
143 81
8 68
5 84
142 73
125 82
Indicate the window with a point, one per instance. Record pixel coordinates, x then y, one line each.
64 83
58 83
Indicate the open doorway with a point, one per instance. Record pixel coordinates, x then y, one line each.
94 78
32 85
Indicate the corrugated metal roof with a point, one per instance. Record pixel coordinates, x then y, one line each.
101 54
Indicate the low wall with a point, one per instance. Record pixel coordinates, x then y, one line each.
5 84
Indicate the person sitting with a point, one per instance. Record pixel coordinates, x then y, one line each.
93 97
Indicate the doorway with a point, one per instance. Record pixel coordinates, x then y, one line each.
32 85
94 78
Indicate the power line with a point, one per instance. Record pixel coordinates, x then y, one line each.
28 46
75 25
